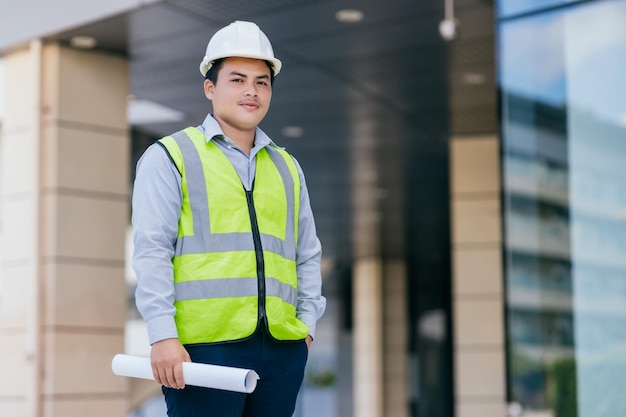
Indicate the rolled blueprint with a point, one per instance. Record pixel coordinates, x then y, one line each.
198 374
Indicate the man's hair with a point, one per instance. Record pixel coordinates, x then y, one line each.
211 74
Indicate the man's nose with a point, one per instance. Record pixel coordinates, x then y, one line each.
251 90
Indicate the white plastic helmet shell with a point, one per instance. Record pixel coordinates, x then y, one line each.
242 39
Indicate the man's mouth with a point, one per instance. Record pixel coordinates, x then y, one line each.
250 105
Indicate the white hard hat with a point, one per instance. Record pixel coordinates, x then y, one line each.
243 39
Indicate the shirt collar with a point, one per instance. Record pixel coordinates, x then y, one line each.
211 128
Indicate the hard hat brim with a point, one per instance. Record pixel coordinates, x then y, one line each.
207 62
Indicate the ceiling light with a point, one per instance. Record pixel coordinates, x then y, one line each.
473 78
83 42
142 112
349 16
293 131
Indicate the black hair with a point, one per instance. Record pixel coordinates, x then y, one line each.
216 66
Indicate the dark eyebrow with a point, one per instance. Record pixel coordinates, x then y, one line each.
264 76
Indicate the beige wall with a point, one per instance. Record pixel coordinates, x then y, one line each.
367 337
395 340
64 157
477 277
380 349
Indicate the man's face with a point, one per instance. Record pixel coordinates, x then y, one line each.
242 94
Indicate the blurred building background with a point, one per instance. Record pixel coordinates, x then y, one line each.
469 193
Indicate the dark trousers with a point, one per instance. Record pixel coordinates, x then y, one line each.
280 366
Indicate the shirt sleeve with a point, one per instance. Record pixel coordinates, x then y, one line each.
311 304
156 204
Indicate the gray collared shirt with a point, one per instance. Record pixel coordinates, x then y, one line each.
156 202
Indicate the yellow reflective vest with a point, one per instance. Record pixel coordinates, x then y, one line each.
235 256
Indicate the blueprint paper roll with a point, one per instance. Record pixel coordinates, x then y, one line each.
198 374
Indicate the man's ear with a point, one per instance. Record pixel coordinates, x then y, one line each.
209 89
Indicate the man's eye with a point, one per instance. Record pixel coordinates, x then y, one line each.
237 80
262 83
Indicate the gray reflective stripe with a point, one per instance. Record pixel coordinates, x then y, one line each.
187 245
234 287
216 288
275 288
198 199
203 240
231 242
283 170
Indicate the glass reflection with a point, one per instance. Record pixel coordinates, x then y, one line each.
507 8
597 143
564 153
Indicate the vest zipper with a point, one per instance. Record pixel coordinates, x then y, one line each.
260 263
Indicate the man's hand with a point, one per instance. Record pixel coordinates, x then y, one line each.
308 341
167 359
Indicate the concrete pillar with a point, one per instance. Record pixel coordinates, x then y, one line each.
395 339
64 154
477 278
367 338
380 343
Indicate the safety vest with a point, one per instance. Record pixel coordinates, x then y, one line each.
235 256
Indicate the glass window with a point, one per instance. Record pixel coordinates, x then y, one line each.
508 8
564 158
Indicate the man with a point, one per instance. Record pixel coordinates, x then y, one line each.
226 252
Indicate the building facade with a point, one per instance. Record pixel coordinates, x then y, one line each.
562 152
469 193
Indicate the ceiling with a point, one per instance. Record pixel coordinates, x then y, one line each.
376 100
